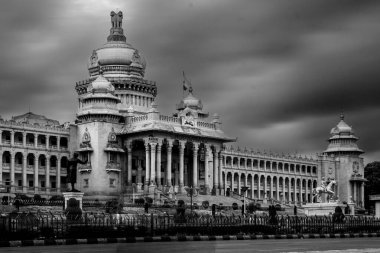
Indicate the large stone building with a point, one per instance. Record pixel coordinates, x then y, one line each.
131 147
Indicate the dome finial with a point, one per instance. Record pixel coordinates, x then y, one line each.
116 32
341 116
186 83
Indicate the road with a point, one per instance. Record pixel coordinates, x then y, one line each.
283 245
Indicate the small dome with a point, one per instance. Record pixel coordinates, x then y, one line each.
191 102
341 128
100 84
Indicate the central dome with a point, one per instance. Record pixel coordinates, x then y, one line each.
116 56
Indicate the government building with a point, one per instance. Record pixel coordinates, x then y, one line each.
132 148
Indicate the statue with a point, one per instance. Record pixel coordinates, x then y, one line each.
317 192
72 170
116 19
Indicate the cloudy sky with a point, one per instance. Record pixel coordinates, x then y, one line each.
278 72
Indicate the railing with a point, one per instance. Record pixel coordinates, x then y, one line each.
23 226
113 166
139 118
23 125
169 119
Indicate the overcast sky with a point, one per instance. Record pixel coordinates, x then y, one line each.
278 72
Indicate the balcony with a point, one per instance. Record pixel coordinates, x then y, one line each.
6 142
84 168
30 169
113 167
18 143
53 147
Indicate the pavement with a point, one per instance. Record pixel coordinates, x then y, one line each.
49 242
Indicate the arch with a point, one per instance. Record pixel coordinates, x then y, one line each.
41 160
242 162
41 140
63 142
261 164
229 161
315 183
286 167
267 165
6 137
18 138
274 166
314 170
235 184
280 166
235 161
291 168
30 160
6 159
255 164
297 168
30 139
19 159
53 161
249 163
53 142
242 180
308 169
303 169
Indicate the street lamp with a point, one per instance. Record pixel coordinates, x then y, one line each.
243 190
190 193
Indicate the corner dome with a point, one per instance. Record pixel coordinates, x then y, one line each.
341 128
191 102
100 84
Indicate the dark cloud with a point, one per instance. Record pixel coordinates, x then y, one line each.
278 72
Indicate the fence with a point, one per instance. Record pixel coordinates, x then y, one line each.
49 225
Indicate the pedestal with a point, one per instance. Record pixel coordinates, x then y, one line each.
376 198
73 195
321 208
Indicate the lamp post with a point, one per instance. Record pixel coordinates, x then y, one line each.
243 190
190 193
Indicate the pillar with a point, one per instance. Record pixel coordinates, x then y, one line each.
265 187
239 184
181 166
24 139
355 194
1 164
47 141
158 174
35 174
47 174
12 138
195 164
35 140
24 183
207 185
169 163
295 191
253 186
362 193
129 164
215 172
152 163
147 165
220 178
12 171
1 137
277 188
58 174
139 173
259 186
58 143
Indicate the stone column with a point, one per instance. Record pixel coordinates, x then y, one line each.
301 191
35 140
277 188
220 178
195 164
253 186
169 163
129 164
181 166
265 187
147 165
12 138
215 172
259 186
271 186
295 191
58 143
58 174
362 193
24 175
1 139
239 184
47 174
47 141
158 174
139 174
12 171
152 163
35 174
355 193
1 164
24 139
207 185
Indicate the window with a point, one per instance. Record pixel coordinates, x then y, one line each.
113 157
53 185
31 183
19 182
43 184
112 182
85 183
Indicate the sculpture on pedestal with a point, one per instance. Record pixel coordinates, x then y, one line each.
326 187
72 170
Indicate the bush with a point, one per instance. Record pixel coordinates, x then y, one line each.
205 204
140 201
181 202
112 206
149 200
37 197
235 206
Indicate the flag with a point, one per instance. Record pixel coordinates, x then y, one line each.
186 83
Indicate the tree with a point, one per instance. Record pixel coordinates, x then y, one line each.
372 174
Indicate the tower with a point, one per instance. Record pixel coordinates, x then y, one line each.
341 160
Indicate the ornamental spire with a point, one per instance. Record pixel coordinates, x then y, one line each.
116 32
